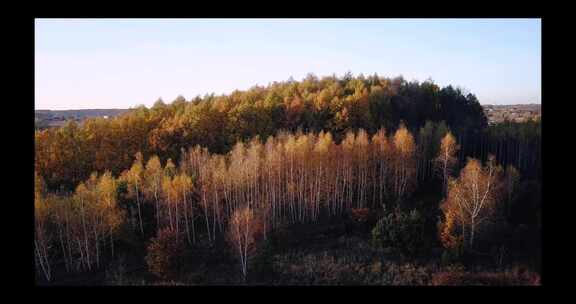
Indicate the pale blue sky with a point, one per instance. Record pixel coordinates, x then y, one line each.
120 63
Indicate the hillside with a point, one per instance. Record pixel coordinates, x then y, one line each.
332 181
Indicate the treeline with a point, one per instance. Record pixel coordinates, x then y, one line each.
67 155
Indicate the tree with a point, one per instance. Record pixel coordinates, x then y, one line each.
42 237
182 184
166 254
244 231
111 215
135 179
449 235
94 217
361 158
383 155
404 162
82 198
170 196
153 174
402 231
446 159
473 197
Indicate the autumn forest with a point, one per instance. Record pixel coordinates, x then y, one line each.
334 180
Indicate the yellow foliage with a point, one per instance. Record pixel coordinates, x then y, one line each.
447 229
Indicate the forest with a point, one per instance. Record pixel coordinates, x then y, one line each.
347 180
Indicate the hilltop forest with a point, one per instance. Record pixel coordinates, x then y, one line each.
324 181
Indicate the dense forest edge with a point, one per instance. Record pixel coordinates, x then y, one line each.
338 180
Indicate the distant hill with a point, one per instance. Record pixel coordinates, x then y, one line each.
55 118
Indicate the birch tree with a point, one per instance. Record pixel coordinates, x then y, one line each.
42 237
404 162
153 174
182 186
446 159
135 179
383 155
473 196
244 231
111 215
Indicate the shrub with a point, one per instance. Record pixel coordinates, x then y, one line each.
325 269
167 254
404 274
342 268
402 231
512 277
